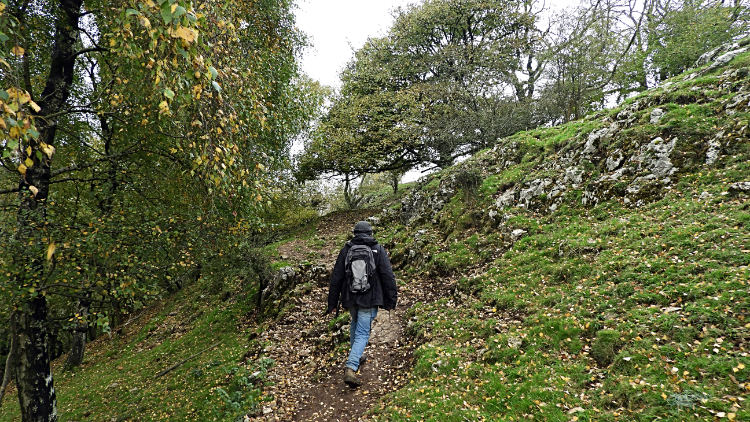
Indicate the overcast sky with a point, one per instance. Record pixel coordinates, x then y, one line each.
335 26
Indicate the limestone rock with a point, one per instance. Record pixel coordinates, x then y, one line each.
592 142
739 100
517 234
627 112
726 58
656 116
708 56
714 148
655 157
614 162
507 199
739 187
536 189
574 175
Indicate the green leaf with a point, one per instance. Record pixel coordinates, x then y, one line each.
12 144
3 37
4 95
169 93
213 71
216 86
178 12
33 133
131 12
166 12
192 18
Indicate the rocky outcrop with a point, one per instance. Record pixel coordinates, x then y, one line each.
604 163
287 281
634 155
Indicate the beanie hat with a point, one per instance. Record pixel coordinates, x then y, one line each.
363 227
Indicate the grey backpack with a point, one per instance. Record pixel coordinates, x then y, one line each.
360 265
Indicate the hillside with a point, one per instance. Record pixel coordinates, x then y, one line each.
596 270
618 248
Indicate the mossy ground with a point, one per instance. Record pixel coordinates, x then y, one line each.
624 311
618 313
118 378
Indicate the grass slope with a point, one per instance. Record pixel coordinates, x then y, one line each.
118 378
610 313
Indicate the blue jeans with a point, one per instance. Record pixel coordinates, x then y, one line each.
359 333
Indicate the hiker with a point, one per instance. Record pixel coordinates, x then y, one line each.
362 290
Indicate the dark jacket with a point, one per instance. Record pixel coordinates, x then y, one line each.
383 292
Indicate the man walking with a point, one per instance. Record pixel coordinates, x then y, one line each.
362 281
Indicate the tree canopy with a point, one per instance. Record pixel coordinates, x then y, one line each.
452 76
138 139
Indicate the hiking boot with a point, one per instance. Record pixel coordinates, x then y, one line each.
362 361
350 378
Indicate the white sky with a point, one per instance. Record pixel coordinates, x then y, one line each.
336 26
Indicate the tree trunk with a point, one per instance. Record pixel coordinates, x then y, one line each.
395 177
75 357
10 364
36 393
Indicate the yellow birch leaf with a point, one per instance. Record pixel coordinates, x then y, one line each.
35 106
145 22
22 169
2 7
2 124
18 51
174 7
14 92
29 162
187 34
150 3
50 251
15 132
33 190
1 60
24 97
49 150
8 110
28 151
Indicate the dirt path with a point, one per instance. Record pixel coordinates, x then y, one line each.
308 374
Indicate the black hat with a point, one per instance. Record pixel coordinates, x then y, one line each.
363 227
